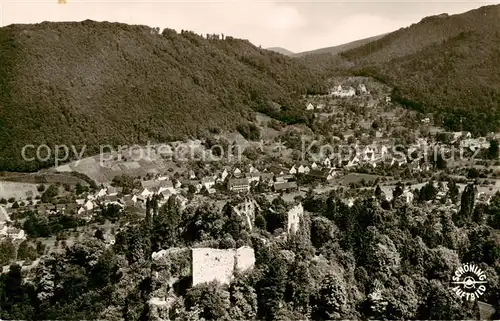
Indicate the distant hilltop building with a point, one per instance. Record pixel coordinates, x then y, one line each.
341 92
310 106
215 264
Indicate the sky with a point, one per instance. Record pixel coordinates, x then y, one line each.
295 25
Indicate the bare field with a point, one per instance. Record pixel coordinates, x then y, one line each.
17 190
356 178
102 169
40 178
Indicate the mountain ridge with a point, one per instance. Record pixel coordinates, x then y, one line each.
339 48
92 83
446 64
282 51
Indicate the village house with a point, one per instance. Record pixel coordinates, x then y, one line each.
192 182
322 175
309 106
238 185
224 174
253 177
89 205
277 170
353 162
129 200
368 154
285 186
100 193
408 196
208 182
12 233
112 200
146 193
237 172
266 176
415 166
474 143
303 169
111 191
59 208
150 184
266 179
292 170
399 162
166 187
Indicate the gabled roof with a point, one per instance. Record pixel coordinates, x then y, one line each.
319 173
208 179
265 175
277 170
254 174
149 184
284 185
237 181
111 198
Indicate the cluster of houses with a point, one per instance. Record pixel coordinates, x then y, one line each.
310 106
349 91
279 178
339 92
7 231
86 205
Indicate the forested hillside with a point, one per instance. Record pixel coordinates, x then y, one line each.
340 48
376 260
107 83
444 64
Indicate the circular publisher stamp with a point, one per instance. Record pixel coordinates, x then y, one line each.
469 282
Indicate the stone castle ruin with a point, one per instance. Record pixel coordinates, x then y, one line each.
203 265
247 210
294 216
210 264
